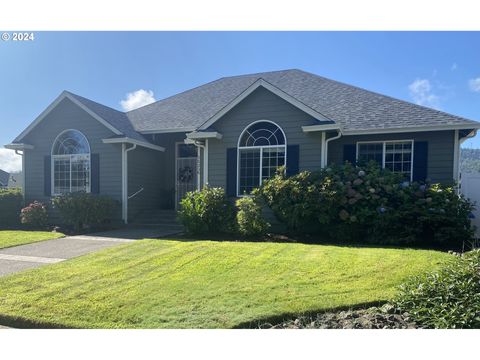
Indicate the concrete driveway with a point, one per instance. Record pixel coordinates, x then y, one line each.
34 255
30 256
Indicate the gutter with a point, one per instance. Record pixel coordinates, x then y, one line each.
325 153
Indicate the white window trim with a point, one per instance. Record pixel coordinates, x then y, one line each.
385 142
52 164
261 153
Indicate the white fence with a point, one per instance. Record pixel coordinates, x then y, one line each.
470 187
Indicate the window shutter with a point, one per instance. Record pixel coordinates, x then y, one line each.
293 155
47 175
231 189
95 173
420 160
350 153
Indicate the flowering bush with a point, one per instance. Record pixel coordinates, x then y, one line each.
34 215
369 204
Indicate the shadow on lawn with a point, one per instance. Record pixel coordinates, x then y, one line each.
278 319
21 323
306 240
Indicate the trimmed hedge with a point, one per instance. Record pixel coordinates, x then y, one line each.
207 211
82 210
10 205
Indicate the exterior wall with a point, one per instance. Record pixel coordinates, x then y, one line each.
263 105
145 171
440 150
65 116
167 165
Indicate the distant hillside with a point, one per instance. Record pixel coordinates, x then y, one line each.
470 160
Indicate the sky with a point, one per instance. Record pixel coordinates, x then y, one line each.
125 70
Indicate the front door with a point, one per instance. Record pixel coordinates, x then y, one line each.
185 170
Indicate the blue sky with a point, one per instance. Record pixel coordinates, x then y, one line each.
437 69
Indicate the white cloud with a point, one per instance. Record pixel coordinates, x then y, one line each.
137 99
474 84
9 161
454 67
422 93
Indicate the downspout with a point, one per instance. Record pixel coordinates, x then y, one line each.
338 136
125 180
22 154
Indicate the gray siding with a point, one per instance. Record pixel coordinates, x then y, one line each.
145 171
167 164
440 150
65 116
263 105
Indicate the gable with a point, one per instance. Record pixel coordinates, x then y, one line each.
65 115
262 104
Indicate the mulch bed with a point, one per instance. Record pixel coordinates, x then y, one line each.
385 317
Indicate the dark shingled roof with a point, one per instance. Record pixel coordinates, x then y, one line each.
117 119
351 107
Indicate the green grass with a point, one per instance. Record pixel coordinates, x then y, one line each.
205 284
10 238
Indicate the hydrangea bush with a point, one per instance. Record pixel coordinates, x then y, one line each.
34 215
370 204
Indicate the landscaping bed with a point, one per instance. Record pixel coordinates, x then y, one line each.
384 317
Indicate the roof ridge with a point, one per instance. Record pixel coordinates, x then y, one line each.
386 96
93 101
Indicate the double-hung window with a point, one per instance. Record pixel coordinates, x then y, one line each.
262 149
394 155
70 163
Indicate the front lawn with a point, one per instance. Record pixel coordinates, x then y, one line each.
205 284
10 238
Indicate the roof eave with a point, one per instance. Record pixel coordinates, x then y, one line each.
127 140
411 129
19 146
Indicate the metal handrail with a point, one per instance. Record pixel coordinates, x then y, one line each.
135 194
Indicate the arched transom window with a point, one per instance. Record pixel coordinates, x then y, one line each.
261 150
70 163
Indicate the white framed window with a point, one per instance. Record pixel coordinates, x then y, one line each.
395 155
262 149
70 163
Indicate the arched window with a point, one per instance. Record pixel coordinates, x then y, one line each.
70 163
262 148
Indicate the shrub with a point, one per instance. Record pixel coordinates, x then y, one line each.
447 298
366 203
10 205
207 211
250 221
35 215
84 210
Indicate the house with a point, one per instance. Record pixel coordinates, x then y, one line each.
232 133
4 179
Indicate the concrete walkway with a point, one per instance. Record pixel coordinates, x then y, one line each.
18 258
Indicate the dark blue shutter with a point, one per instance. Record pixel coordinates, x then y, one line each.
95 162
350 153
293 155
47 175
231 172
420 160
